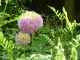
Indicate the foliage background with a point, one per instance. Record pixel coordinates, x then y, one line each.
42 44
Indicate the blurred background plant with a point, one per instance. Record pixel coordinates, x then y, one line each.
58 39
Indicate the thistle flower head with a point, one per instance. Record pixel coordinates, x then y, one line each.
30 22
23 38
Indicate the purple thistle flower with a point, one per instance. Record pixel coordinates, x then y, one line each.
23 38
30 22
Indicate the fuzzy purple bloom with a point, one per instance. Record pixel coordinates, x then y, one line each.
23 39
30 22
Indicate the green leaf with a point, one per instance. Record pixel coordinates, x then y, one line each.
52 8
37 58
6 45
40 57
22 56
1 37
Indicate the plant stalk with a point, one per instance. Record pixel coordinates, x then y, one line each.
32 42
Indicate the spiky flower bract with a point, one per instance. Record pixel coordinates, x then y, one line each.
23 39
30 22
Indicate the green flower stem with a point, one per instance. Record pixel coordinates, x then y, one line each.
32 42
3 13
24 50
6 6
72 35
51 51
62 29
